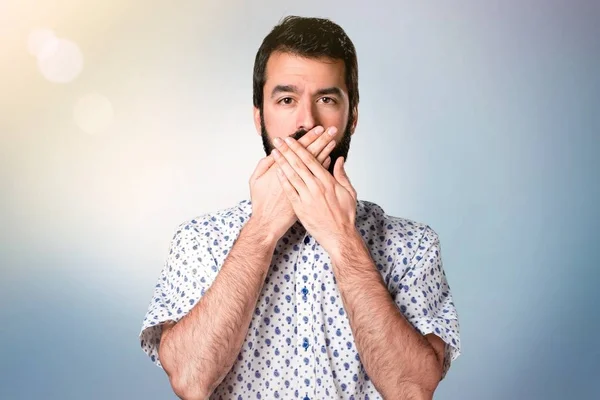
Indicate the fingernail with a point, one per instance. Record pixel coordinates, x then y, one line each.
332 130
318 130
277 141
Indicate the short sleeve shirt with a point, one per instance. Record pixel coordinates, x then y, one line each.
299 343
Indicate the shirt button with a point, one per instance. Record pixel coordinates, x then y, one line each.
307 240
304 291
306 398
305 344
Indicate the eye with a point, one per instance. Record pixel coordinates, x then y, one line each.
328 100
286 101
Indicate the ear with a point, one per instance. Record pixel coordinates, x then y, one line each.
354 121
256 113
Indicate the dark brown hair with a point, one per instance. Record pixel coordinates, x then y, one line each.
311 38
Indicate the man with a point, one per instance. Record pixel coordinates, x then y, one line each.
303 291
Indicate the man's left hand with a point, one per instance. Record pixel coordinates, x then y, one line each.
325 204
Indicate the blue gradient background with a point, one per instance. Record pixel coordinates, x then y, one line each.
480 118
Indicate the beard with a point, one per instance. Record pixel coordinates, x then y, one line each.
341 149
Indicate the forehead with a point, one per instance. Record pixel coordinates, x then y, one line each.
286 68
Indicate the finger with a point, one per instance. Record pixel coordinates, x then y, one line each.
290 171
311 136
324 154
304 163
288 188
319 148
263 166
295 163
327 163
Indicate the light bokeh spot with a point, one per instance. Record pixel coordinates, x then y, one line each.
59 60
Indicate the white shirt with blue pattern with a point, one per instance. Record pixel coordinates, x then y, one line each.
299 343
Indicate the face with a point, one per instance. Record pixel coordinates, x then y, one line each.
301 93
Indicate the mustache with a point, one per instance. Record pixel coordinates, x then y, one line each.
299 133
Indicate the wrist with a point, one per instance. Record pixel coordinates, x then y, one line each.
349 241
261 232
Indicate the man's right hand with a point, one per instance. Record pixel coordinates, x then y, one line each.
271 209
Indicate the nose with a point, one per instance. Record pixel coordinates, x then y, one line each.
306 117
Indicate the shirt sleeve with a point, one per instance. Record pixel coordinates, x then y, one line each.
423 295
187 274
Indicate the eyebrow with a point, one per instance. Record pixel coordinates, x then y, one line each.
294 89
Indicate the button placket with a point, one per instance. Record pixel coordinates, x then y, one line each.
304 306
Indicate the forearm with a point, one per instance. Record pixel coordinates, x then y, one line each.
199 351
398 359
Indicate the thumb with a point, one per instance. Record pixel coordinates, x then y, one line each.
263 166
339 172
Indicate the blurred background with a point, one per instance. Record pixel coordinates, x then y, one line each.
121 119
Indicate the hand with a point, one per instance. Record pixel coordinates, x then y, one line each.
324 203
270 206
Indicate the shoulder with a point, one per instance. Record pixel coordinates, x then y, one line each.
371 217
215 222
210 236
